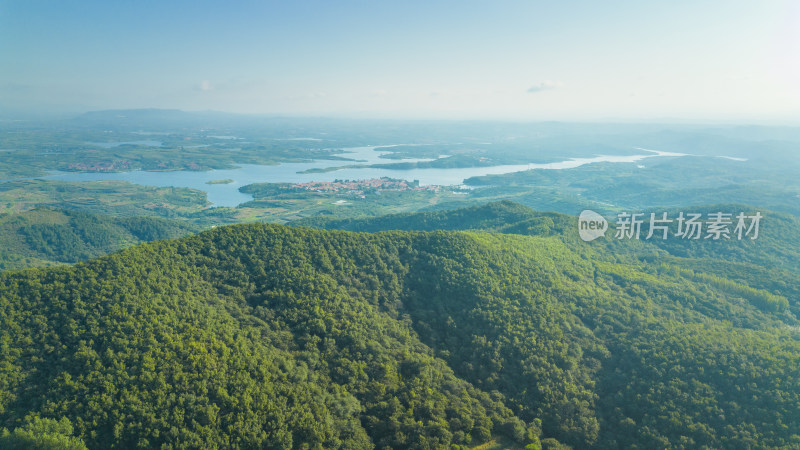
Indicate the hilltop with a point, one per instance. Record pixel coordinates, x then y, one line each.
273 336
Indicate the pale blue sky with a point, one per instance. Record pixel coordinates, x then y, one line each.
568 60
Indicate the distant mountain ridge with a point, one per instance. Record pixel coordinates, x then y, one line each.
153 116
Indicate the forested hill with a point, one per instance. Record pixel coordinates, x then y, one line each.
502 217
778 243
771 262
44 237
265 336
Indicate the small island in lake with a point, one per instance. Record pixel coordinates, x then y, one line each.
224 181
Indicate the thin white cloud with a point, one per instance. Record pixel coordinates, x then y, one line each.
545 85
205 86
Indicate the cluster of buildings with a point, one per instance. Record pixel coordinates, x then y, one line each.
362 187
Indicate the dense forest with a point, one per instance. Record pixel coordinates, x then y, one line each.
268 336
44 237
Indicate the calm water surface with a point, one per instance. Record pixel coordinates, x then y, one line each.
229 195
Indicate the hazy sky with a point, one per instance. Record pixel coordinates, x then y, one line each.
680 59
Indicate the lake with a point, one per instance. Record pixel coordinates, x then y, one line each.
229 195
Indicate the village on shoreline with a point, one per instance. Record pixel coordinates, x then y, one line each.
363 187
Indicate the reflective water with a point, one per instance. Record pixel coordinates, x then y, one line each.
229 195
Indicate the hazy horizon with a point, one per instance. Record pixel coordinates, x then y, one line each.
55 116
710 61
